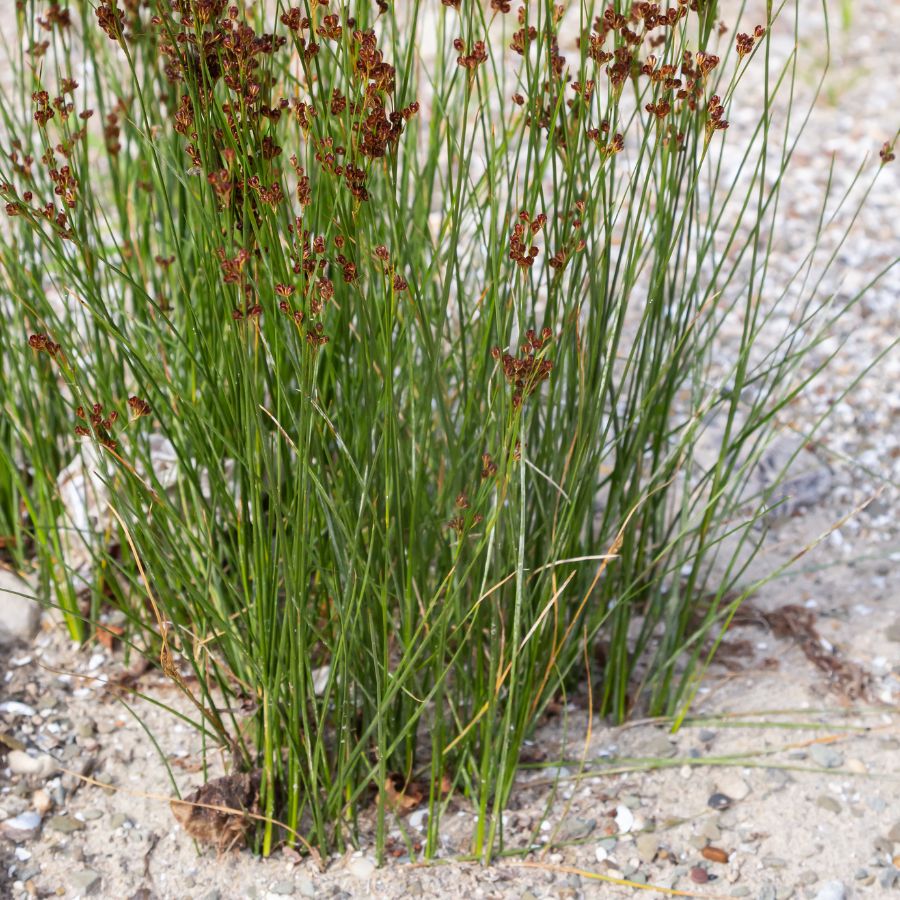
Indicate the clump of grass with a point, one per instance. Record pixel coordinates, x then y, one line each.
386 338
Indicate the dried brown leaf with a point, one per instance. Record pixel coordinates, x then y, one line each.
216 812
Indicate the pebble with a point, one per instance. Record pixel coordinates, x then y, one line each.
22 764
361 867
832 890
601 854
699 875
888 877
784 892
892 632
19 615
829 803
766 892
577 829
826 756
894 833
117 820
90 815
697 841
647 846
861 873
17 709
719 801
707 735
85 881
857 766
305 887
658 746
732 785
624 819
282 888
65 824
807 877
711 830
23 827
740 891
41 801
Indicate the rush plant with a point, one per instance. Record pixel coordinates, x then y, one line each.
363 356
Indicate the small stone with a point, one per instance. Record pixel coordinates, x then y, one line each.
719 801
117 820
698 841
766 892
707 735
575 829
361 867
84 882
883 845
65 824
17 710
23 827
784 892
601 854
658 746
647 845
213 895
894 833
305 887
861 873
91 815
807 877
832 890
826 756
41 801
711 830
699 875
282 888
829 803
892 632
528 895
20 614
732 785
740 891
857 766
888 877
22 763
624 819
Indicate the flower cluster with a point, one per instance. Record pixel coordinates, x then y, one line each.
100 425
474 58
526 372
744 43
520 238
41 343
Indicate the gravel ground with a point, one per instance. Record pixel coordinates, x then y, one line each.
781 785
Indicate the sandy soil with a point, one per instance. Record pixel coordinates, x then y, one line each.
811 776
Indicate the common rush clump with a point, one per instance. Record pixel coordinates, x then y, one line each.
361 355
